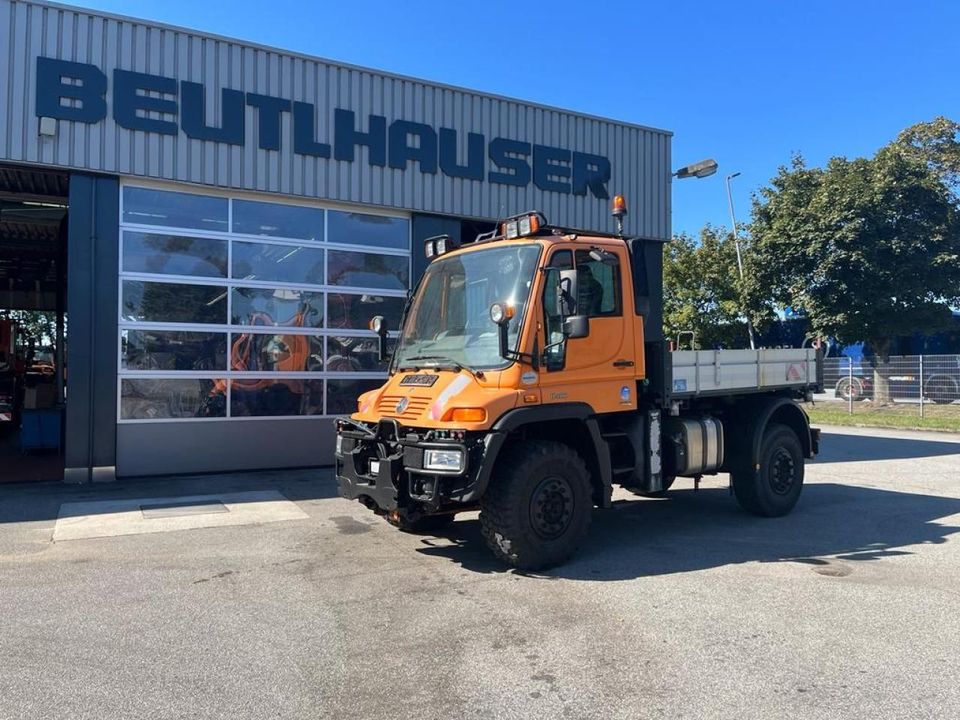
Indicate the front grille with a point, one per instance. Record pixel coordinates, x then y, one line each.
387 407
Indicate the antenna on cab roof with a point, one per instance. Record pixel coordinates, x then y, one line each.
496 228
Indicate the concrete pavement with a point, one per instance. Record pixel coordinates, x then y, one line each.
683 607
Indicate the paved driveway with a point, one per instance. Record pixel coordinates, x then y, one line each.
678 608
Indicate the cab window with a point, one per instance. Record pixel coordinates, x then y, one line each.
598 287
552 321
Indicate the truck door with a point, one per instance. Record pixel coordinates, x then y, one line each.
597 369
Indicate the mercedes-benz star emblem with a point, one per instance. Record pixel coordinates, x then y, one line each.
402 404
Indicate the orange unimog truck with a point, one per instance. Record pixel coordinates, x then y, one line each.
531 375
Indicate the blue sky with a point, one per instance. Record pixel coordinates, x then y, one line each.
745 82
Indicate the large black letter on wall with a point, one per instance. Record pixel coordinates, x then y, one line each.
591 171
268 115
193 115
400 151
473 170
126 101
503 152
345 136
303 132
89 93
550 163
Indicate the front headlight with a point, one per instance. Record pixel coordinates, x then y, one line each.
339 444
443 460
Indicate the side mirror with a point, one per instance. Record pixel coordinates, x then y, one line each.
379 325
576 326
501 314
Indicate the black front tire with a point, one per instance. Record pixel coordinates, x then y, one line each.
774 488
537 508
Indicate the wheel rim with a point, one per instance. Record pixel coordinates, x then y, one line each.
783 471
847 390
551 507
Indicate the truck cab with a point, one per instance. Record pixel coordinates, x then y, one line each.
530 376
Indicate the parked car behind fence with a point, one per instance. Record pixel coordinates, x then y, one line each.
910 378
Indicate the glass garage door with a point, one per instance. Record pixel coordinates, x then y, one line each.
236 307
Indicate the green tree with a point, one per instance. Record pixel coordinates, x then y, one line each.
936 143
868 248
702 289
37 325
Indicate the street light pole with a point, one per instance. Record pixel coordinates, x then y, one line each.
736 244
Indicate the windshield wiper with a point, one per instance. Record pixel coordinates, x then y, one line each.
448 363
426 357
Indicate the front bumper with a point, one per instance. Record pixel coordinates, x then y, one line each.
356 482
399 480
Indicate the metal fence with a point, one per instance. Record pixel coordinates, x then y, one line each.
922 381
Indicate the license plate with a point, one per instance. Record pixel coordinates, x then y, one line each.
374 467
420 380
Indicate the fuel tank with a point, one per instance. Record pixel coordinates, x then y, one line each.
693 445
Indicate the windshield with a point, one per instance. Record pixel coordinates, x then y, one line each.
449 318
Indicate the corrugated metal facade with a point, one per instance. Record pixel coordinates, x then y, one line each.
640 157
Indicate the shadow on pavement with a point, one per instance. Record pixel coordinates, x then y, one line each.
691 530
838 447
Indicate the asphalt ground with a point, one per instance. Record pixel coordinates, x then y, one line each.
683 607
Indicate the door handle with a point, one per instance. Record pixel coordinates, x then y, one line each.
623 363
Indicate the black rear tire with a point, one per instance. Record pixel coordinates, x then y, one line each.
774 488
536 510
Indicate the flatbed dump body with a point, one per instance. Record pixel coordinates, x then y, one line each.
715 372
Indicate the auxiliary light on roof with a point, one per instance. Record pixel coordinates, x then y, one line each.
439 245
522 225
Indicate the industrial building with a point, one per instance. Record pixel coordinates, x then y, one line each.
215 221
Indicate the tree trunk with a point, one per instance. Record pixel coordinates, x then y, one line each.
881 372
